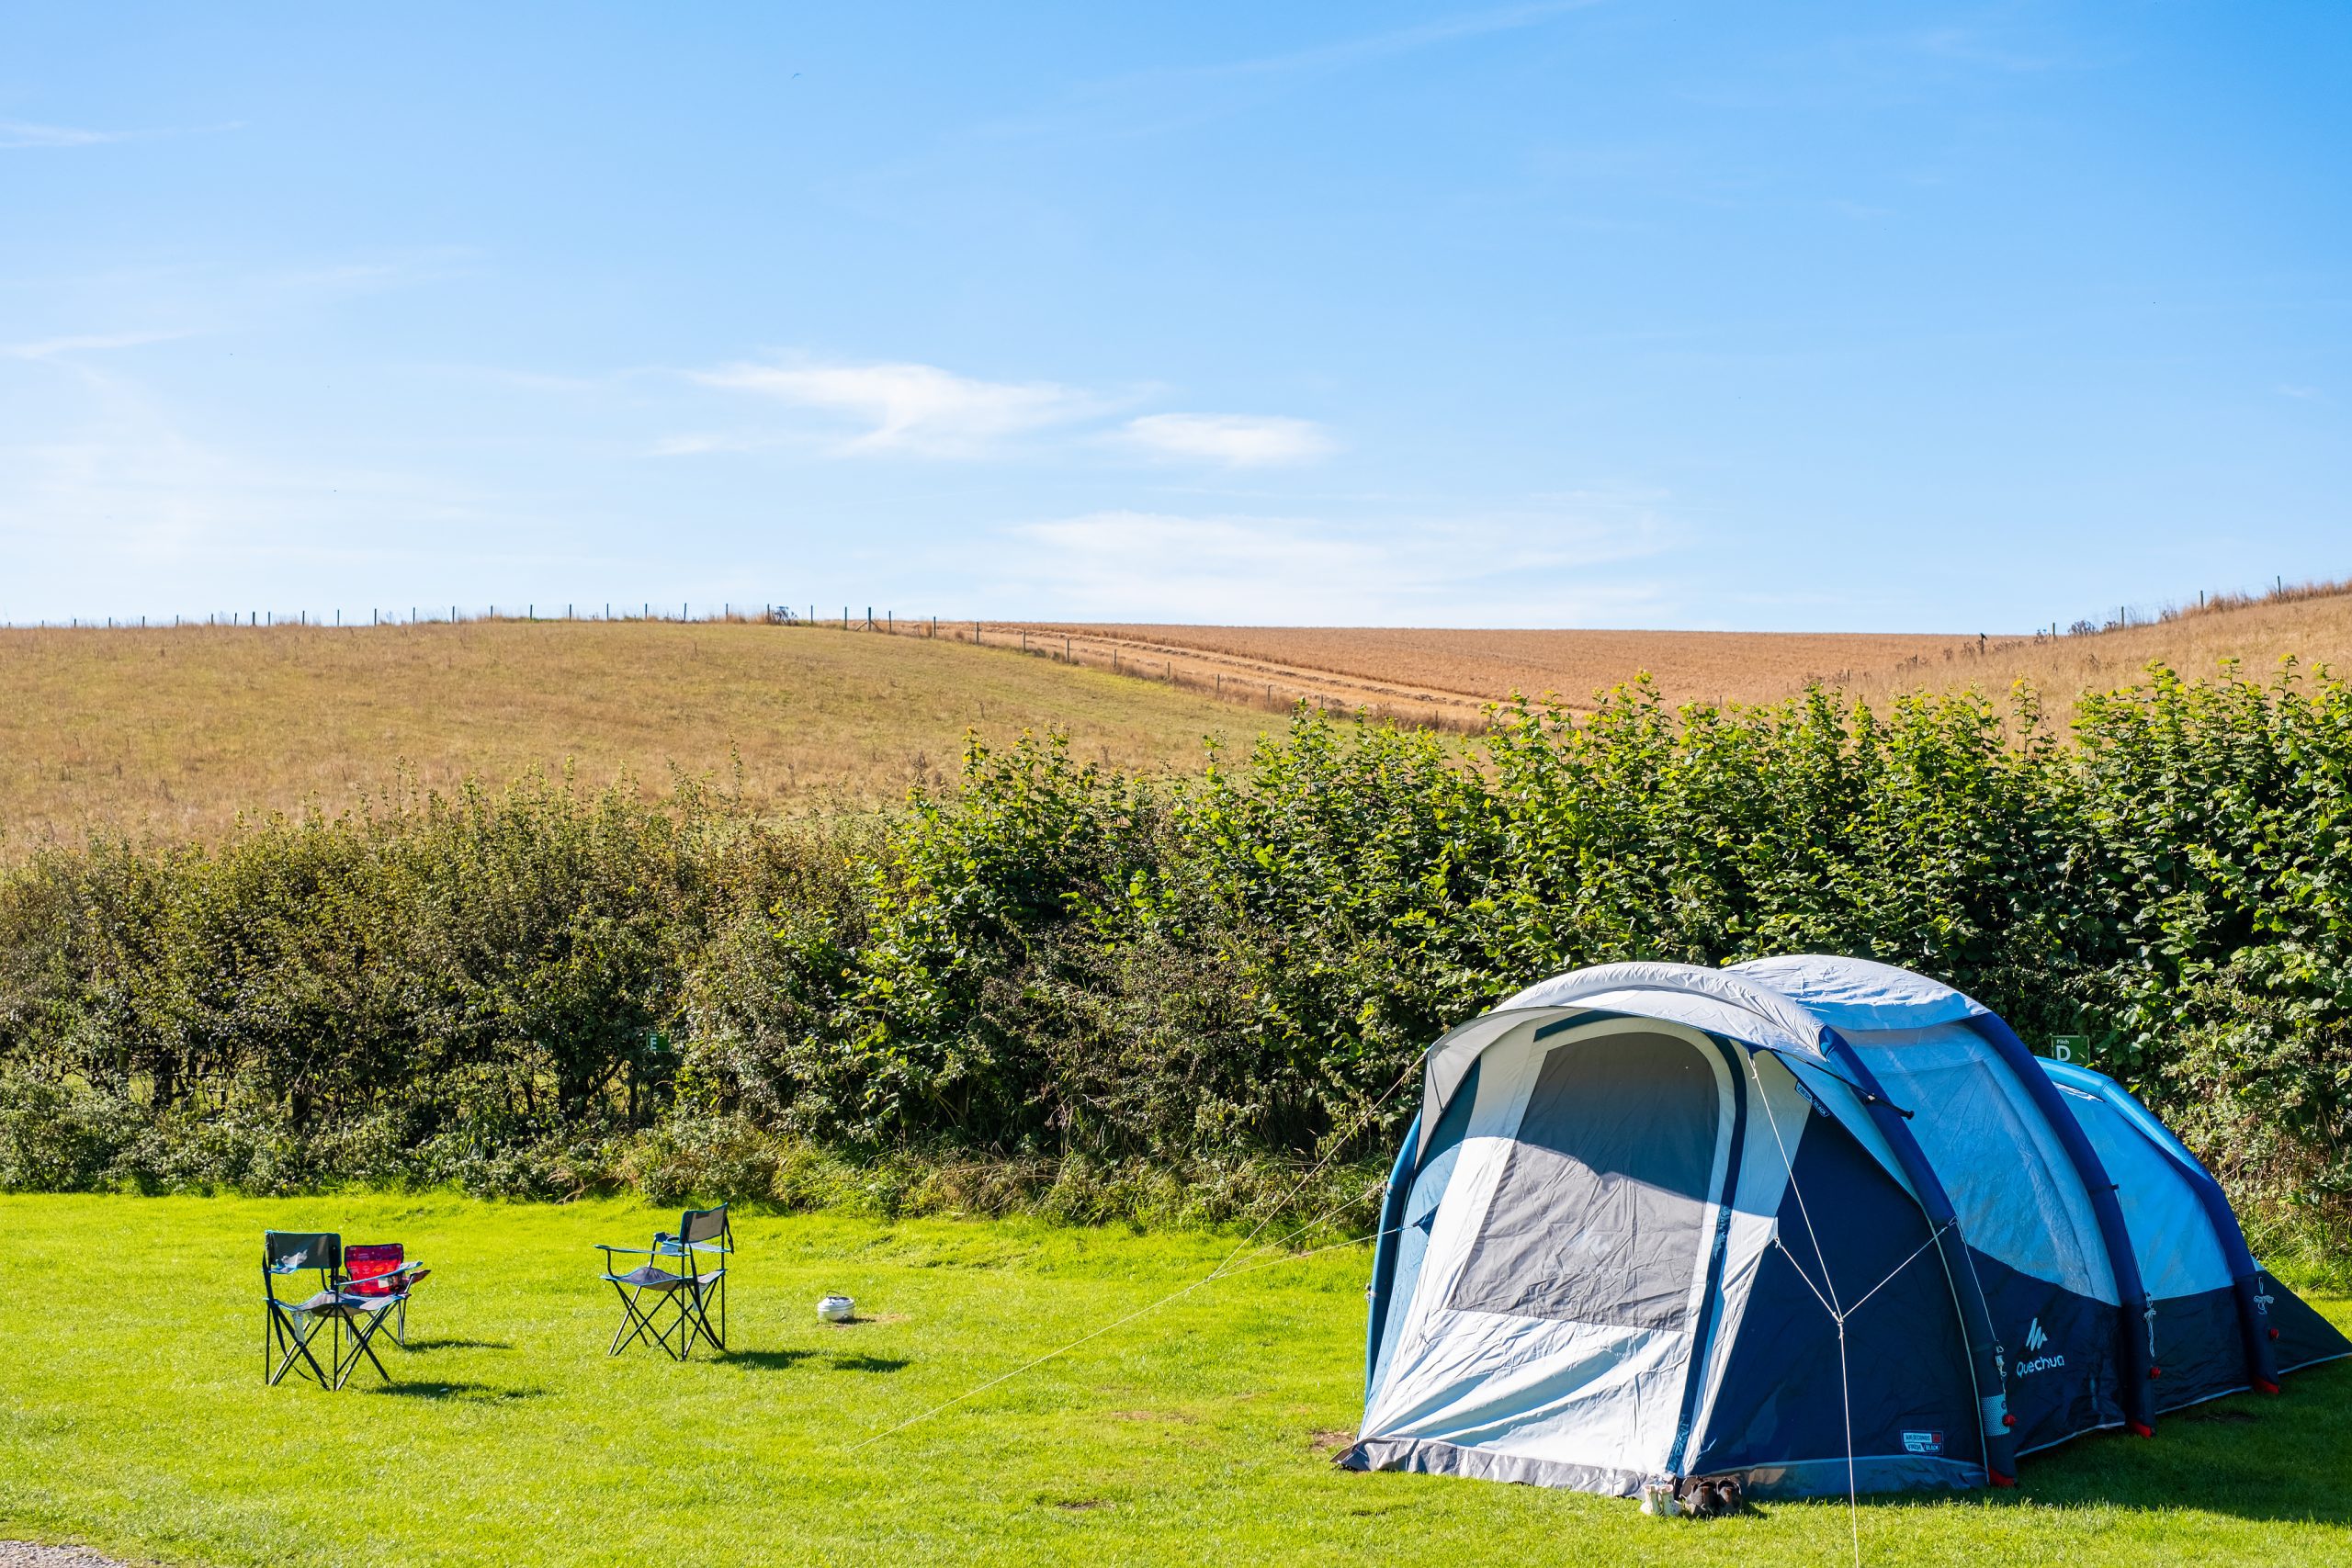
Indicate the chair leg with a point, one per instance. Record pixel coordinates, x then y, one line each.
295 1341
680 1325
636 1323
363 1330
697 1310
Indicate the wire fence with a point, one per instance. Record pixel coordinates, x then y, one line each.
1224 678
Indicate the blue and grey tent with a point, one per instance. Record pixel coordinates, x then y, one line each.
1814 1222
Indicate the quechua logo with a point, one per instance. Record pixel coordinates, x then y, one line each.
2034 1340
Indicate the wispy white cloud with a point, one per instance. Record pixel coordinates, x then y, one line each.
1237 440
1974 46
918 409
19 133
1367 46
923 411
86 343
23 133
1540 564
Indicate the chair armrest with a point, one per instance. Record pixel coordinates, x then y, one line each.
634 1251
389 1276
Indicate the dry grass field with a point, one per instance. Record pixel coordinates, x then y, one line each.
2312 628
1454 673
1421 672
176 731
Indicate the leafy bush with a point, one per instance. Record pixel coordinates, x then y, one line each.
1065 988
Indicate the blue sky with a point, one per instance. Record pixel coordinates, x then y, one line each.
1800 316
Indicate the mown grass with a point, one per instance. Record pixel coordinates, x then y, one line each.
177 731
136 1419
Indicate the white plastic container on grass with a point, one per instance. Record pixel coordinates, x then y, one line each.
836 1309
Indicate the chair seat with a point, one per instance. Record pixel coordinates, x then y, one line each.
646 1277
333 1303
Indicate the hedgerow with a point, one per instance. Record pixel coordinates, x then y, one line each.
1108 992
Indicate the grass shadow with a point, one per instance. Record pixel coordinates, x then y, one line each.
2245 1455
764 1360
481 1392
871 1363
419 1346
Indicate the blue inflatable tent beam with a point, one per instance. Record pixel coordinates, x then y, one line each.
1985 1361
2137 1326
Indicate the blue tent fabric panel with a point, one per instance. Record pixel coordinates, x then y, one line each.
2062 1353
2178 1253
2199 1351
2007 1172
1779 1414
2305 1338
1426 1189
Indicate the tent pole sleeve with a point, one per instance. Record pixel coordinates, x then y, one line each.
1384 1253
2136 1332
1987 1362
2246 1274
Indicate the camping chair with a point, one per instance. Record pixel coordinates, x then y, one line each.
351 1320
683 1296
381 1268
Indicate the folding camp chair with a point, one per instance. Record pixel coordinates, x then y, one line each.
682 1298
381 1268
349 1319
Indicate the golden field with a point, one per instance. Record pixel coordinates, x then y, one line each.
176 731
1420 672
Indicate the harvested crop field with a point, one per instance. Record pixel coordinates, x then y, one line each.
1449 674
176 731
1454 673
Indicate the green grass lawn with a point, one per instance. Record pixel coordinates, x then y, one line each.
135 1418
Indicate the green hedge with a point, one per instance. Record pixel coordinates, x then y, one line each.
1097 986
